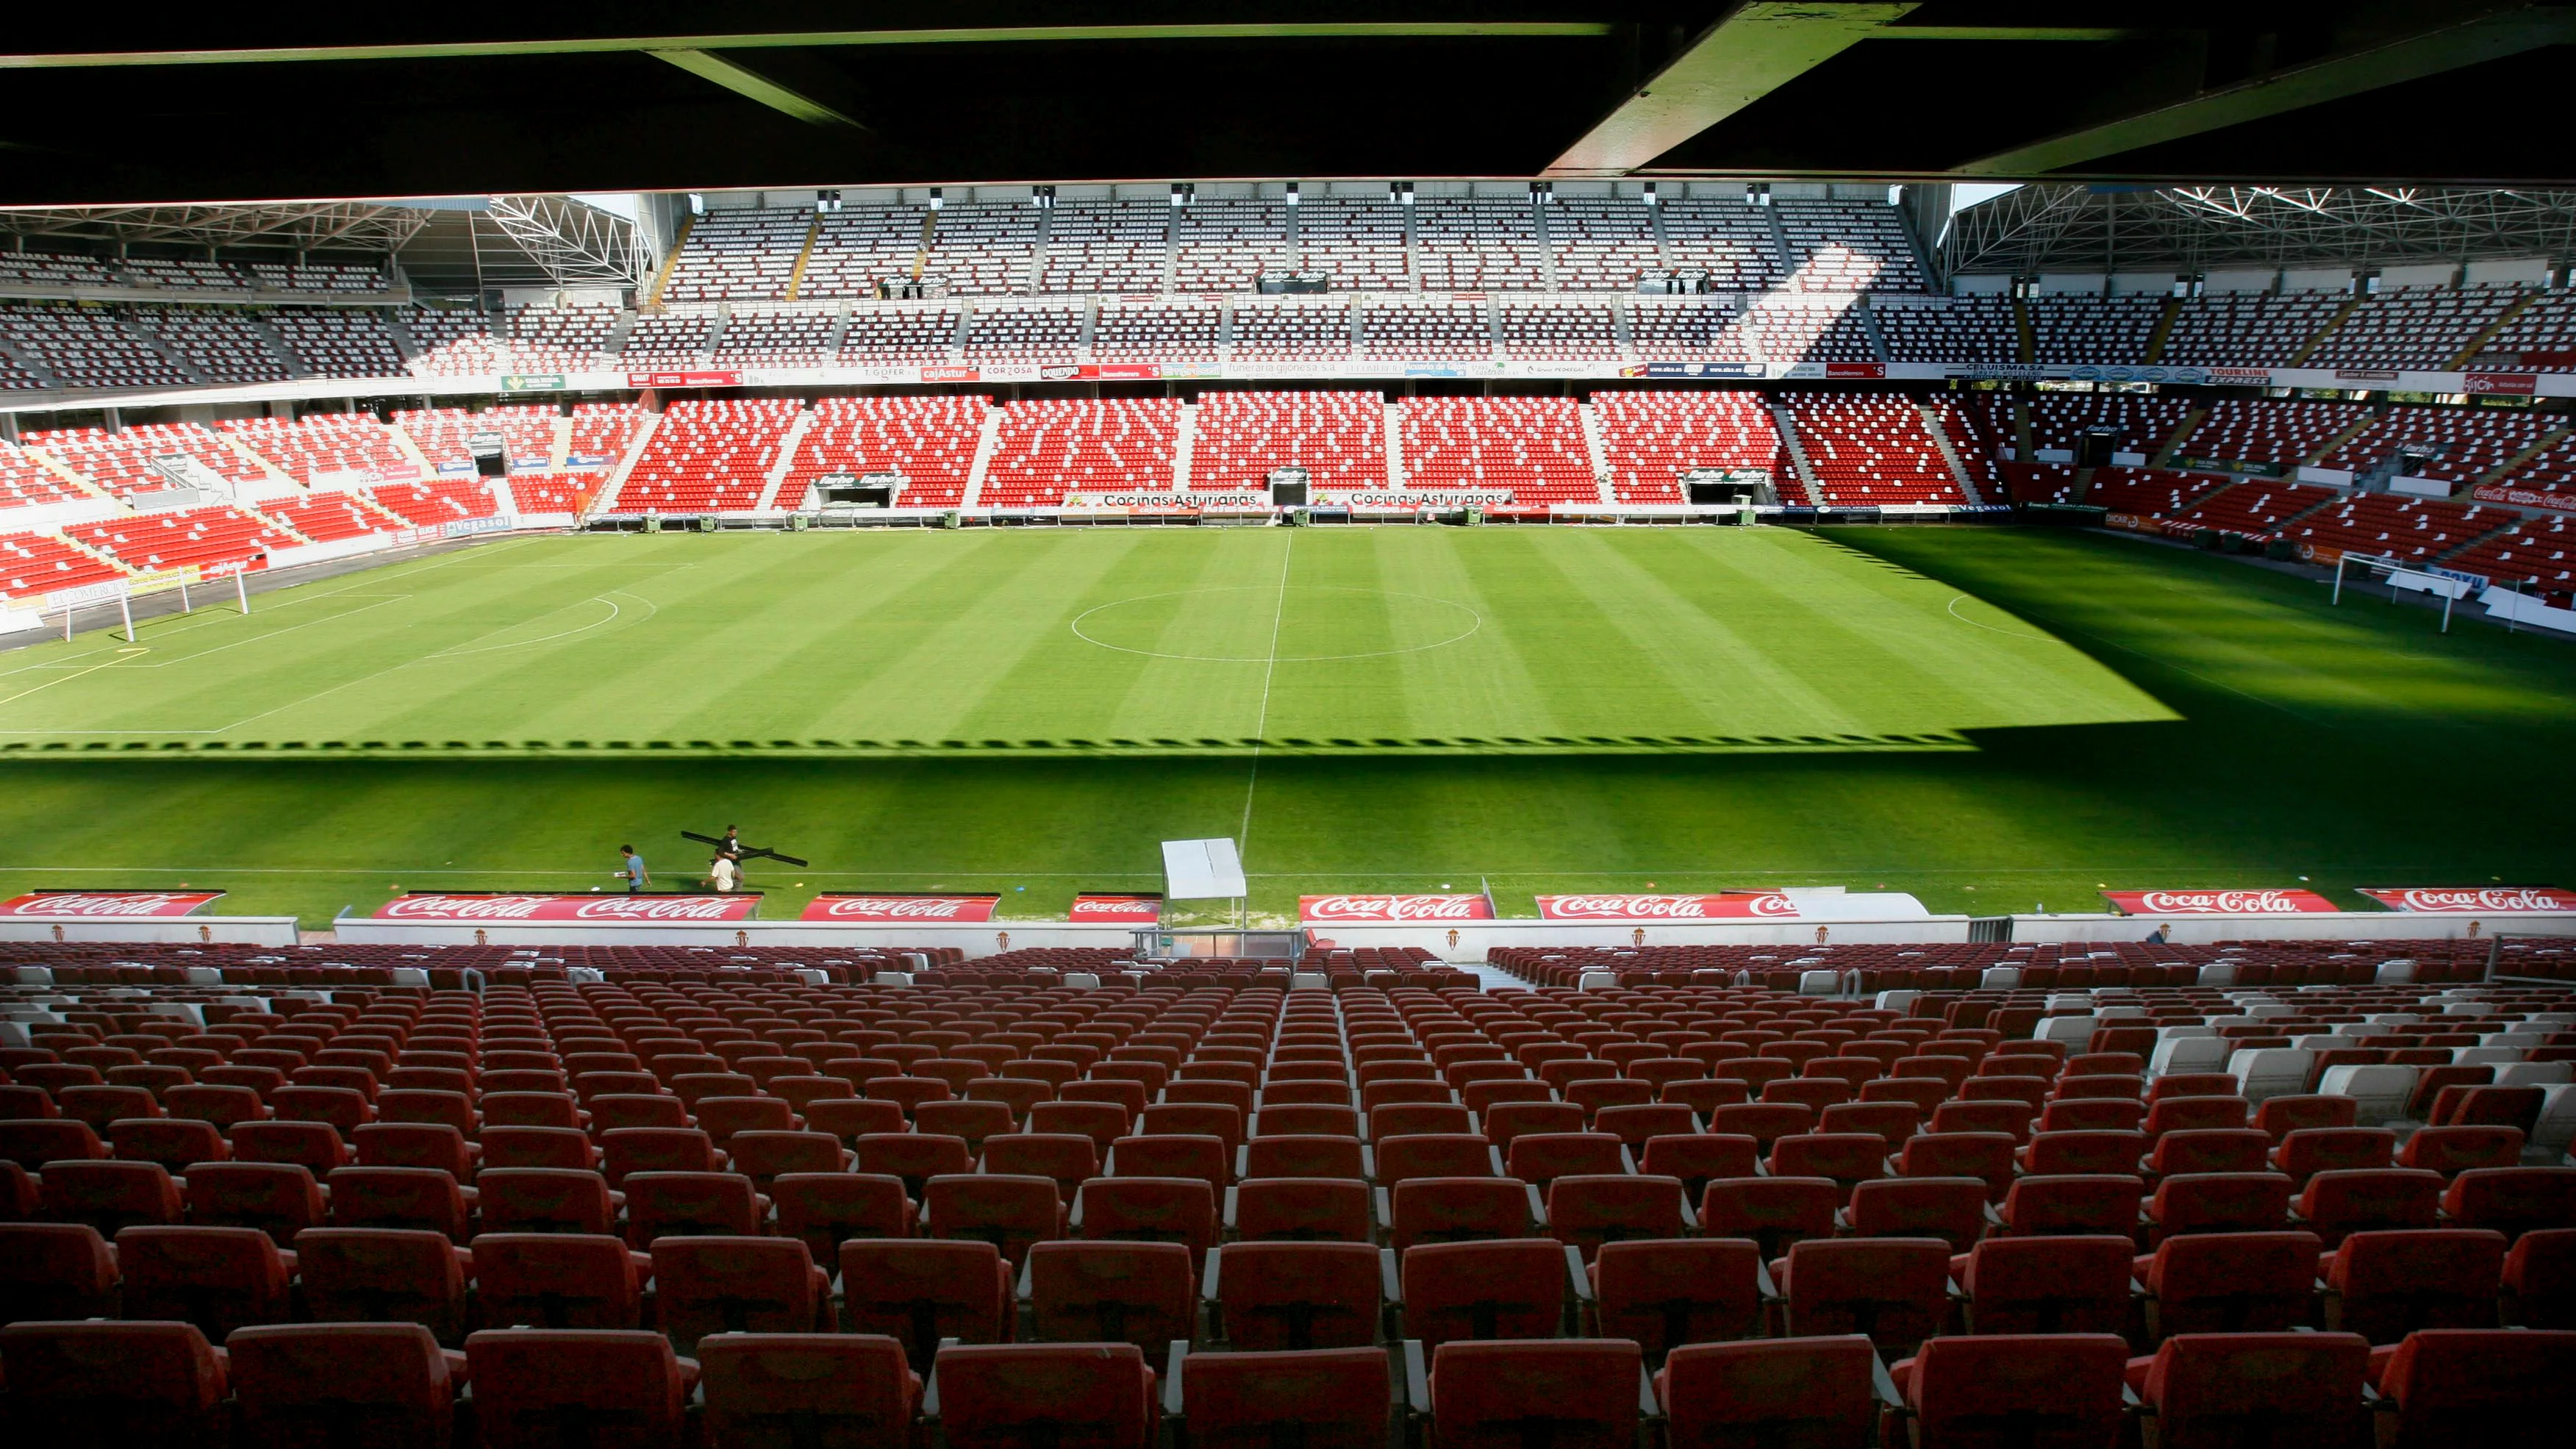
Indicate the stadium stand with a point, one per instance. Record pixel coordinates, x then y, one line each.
735 254
2025 483
2093 329
326 448
1694 331
1040 332
2542 335
1869 449
121 462
2138 423
85 347
2463 444
709 456
329 517
339 341
1357 242
1438 329
670 339
203 537
1477 244
774 337
1947 329
2533 553
860 249
1727 244
54 269
450 342
435 504
1529 447
2411 324
560 339
1558 331
24 482
218 344
2382 525
1107 246
602 432
2148 492
931 441
1791 328
1338 437
1648 438
442 434
901 332
1844 246
33 565
1600 243
984 249
1048 449
1223 244
2267 430
2257 508
1179 329
2248 329
1292 330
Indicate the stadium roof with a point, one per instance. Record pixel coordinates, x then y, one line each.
2052 228
231 103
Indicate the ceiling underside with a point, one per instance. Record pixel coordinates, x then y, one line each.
219 104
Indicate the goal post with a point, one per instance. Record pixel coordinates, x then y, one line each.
2451 586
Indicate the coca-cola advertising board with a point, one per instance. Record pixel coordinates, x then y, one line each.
2472 900
901 908
109 904
1101 908
1392 910
499 907
2216 903
1723 906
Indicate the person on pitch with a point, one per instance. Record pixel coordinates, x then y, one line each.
731 854
631 870
723 874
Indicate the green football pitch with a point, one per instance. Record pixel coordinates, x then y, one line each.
1991 718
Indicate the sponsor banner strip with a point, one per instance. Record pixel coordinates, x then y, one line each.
2468 900
1725 905
109 903
500 907
1092 907
1321 910
2217 903
900 906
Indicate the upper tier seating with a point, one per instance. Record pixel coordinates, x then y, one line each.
1107 246
85 347
1648 438
2268 430
1284 329
860 248
1948 329
738 253
560 339
340 341
451 342
2258 507
1694 330
1727 240
1356 241
669 339
1558 331
1179 329
1049 448
2384 525
1529 447
121 462
219 344
2545 325
710 455
1438 329
1477 244
1871 450
901 332
984 249
54 269
1790 328
1847 246
2466 443
1600 243
1339 438
773 337
190 536
1224 244
2248 329
2094 329
2413 326
929 440
1023 332
601 433
322 448
325 517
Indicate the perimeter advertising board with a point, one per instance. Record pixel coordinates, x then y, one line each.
109 904
479 908
2472 900
2217 903
1722 906
901 908
1392 910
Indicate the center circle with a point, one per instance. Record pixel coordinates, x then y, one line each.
1261 624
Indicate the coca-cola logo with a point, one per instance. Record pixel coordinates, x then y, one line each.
568 908
1666 908
1394 908
1117 908
2476 898
109 903
901 908
2219 903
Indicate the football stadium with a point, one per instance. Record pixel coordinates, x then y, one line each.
1290 727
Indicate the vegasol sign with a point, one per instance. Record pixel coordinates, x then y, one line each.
2217 903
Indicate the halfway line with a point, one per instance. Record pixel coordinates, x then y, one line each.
1261 721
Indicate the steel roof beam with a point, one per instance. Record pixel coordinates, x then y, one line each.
743 81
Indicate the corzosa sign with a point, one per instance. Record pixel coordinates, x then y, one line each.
109 904
902 909
1393 910
2472 900
605 909
1723 906
2217 903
